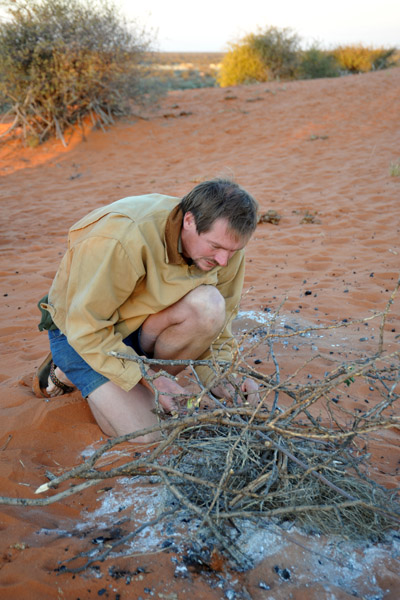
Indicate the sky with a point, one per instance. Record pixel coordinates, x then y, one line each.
209 25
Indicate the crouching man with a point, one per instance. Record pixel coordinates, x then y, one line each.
153 275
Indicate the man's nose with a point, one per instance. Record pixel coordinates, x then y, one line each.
222 257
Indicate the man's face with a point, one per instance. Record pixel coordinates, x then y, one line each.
211 248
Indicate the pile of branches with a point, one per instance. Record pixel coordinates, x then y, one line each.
297 455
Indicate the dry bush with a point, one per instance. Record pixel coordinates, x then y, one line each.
63 60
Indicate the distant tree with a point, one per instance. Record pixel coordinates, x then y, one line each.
278 50
61 60
269 54
315 63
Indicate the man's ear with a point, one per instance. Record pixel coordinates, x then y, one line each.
189 223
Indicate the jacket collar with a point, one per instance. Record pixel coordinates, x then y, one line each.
173 229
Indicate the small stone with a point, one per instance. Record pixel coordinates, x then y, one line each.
307 293
98 540
258 361
263 585
283 573
181 571
363 339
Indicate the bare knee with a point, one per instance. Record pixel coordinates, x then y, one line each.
207 308
118 412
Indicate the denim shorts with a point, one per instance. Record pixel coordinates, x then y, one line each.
75 368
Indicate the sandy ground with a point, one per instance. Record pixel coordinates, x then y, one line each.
321 148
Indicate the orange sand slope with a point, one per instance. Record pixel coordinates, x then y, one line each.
319 148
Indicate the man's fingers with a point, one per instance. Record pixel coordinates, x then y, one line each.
224 390
168 403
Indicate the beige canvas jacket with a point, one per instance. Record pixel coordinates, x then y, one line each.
122 264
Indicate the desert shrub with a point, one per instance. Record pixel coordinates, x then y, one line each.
315 63
394 169
278 50
360 59
242 64
268 54
61 60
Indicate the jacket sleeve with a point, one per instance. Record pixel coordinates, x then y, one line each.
101 278
230 285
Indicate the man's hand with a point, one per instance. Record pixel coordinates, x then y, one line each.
248 387
168 390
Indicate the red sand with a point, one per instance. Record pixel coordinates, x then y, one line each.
321 146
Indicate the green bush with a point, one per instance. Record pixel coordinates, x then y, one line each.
268 54
61 60
316 63
278 50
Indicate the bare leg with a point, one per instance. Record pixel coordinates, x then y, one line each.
118 412
183 330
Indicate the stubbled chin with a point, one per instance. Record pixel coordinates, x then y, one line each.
203 265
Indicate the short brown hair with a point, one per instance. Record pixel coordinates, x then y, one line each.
221 199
